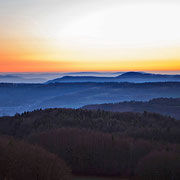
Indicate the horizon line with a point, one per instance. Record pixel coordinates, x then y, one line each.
123 71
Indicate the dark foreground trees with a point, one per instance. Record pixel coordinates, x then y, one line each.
95 153
159 166
91 143
21 161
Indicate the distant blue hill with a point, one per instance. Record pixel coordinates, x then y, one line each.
125 77
18 79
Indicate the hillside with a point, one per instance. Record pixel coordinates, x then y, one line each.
165 106
17 98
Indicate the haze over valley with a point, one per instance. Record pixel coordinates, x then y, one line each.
77 91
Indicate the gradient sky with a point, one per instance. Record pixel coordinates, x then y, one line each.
89 35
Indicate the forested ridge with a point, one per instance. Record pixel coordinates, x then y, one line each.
165 106
99 143
145 125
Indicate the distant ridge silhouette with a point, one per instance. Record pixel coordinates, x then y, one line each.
125 77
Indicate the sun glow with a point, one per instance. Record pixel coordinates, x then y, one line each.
127 25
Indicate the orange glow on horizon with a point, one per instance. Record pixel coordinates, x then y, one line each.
45 56
73 66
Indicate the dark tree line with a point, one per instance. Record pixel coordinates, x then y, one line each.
149 126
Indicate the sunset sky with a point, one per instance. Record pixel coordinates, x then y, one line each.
89 35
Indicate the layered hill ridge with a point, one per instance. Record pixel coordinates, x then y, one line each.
165 106
17 98
125 77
